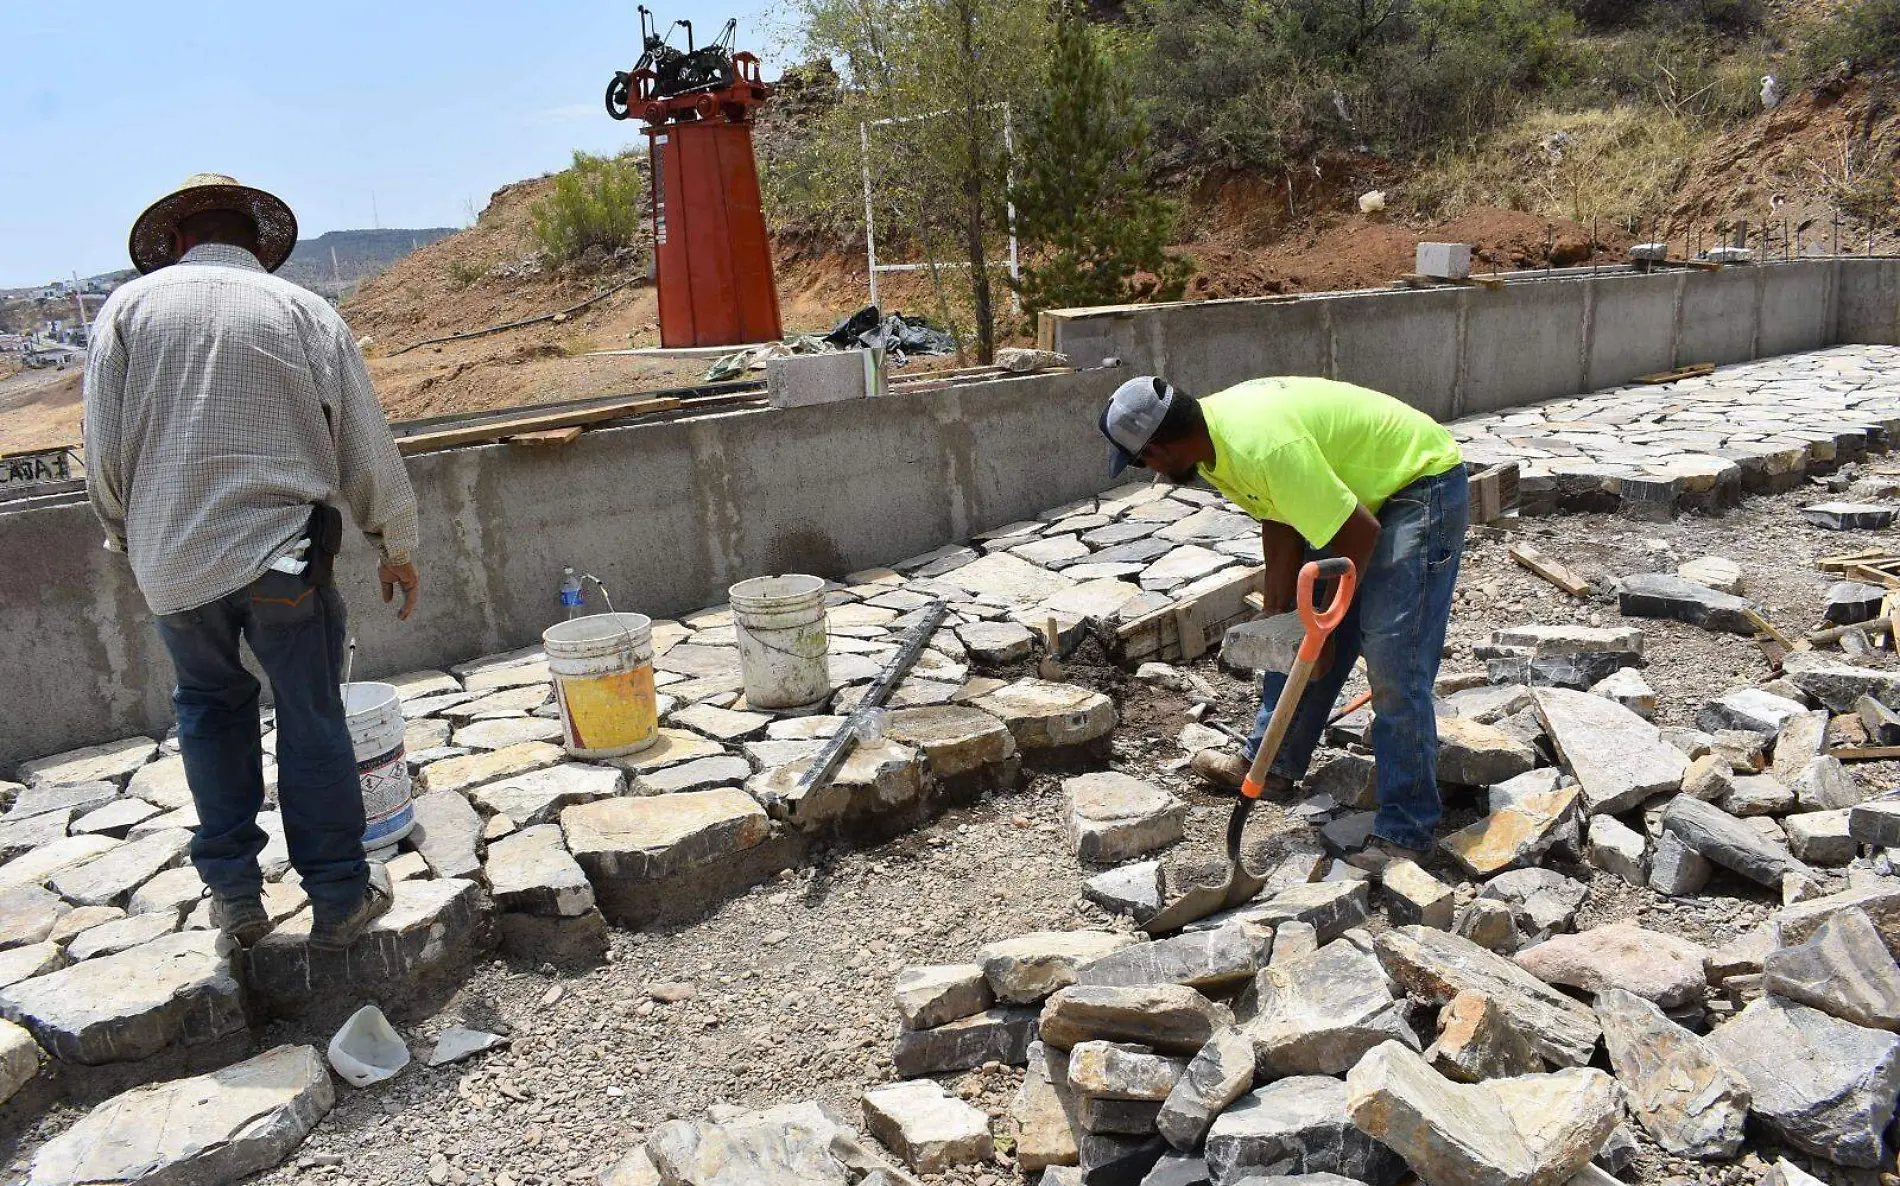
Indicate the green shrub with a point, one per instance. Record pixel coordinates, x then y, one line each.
1728 16
1262 83
1865 34
599 202
466 272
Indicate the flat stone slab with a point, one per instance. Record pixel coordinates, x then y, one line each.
1680 1090
1437 966
456 774
956 739
1027 968
45 798
1849 516
121 934
1843 969
1169 1018
206 1130
1318 1014
1208 960
1514 836
504 732
1113 817
1002 1034
1821 1084
28 915
1665 595
930 995
35 867
1722 838
875 780
1531 1129
110 878
647 838
447 833
1658 967
930 1130
1297 1126
1042 715
701 774
175 990
430 929
1840 685
1619 759
531 872
539 796
1006 579
112 762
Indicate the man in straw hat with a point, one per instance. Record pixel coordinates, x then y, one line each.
227 413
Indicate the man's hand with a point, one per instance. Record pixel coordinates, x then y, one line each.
406 576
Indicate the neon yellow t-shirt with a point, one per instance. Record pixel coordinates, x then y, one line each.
1304 451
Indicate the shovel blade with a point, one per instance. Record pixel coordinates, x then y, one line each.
1193 905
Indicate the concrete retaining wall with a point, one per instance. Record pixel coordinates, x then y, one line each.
667 515
1460 351
670 514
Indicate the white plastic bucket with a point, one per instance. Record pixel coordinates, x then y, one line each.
367 1049
603 679
780 622
374 713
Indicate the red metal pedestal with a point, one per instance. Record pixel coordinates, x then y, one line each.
712 256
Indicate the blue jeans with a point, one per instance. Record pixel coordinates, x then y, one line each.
1397 621
297 633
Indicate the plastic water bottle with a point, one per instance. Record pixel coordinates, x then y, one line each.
571 594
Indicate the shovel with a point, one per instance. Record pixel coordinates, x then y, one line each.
1240 886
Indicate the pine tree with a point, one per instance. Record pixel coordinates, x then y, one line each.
1084 203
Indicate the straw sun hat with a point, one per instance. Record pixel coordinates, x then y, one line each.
152 245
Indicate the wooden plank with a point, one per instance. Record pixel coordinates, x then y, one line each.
1873 576
1866 753
1766 627
1529 557
1842 562
551 436
1692 371
1159 635
1494 492
496 430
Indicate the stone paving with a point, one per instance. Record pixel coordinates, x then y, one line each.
1696 444
106 951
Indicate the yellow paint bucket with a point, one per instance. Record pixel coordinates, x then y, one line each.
603 680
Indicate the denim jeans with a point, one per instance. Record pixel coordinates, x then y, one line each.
1397 621
297 633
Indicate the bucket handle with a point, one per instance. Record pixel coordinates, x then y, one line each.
626 632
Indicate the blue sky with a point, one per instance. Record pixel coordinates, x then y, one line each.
422 108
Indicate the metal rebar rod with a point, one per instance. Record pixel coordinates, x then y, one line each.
846 739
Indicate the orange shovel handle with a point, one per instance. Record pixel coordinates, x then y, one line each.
1321 623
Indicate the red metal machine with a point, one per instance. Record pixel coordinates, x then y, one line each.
711 255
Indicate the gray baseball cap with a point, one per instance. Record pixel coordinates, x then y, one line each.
1131 417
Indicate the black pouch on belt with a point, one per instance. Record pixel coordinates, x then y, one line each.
326 539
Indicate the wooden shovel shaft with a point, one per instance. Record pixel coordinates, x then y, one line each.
1281 721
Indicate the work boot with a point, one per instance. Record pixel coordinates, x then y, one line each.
1223 768
338 934
243 918
1377 854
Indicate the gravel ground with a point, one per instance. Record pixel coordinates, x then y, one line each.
786 990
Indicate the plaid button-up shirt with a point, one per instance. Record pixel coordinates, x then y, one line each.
221 402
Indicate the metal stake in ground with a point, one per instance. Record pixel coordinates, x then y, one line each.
846 739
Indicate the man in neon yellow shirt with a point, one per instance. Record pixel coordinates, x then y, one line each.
1330 468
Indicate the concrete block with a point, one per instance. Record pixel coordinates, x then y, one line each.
1450 261
805 379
